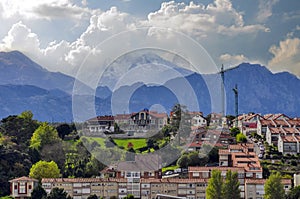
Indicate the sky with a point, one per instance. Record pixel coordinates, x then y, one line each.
61 34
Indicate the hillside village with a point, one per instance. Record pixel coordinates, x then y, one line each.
270 140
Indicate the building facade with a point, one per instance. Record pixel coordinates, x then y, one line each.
22 187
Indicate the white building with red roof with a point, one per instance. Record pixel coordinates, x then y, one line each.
22 187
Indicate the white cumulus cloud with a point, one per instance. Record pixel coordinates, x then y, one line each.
200 20
20 37
286 56
42 9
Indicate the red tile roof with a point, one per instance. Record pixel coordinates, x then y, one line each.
23 178
263 181
175 180
267 122
193 169
276 130
87 180
288 138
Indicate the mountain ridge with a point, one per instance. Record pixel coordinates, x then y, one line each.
260 91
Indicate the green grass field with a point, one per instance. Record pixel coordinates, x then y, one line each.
137 143
170 168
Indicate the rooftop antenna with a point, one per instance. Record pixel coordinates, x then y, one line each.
236 95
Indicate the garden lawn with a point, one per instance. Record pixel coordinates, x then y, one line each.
137 143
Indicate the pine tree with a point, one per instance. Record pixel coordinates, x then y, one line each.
231 186
214 188
274 187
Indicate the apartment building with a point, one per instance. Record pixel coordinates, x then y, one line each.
254 188
82 188
205 173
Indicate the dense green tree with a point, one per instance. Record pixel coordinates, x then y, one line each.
234 131
80 163
43 135
208 119
215 183
194 160
63 130
13 163
180 122
129 196
43 169
38 193
231 186
175 117
183 161
213 155
241 138
57 193
55 152
274 187
94 196
20 128
93 167
294 193
166 130
150 143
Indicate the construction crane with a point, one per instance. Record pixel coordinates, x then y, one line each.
236 95
222 72
222 90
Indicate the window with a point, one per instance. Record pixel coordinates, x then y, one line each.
29 186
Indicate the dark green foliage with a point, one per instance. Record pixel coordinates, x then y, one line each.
166 130
150 143
294 193
15 154
183 161
93 197
274 187
213 155
192 159
214 188
234 131
57 193
20 128
17 157
223 189
63 130
80 163
129 196
180 122
38 193
231 186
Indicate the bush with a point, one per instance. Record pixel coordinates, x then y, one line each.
241 138
293 163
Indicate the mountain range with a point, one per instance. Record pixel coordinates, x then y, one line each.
25 85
